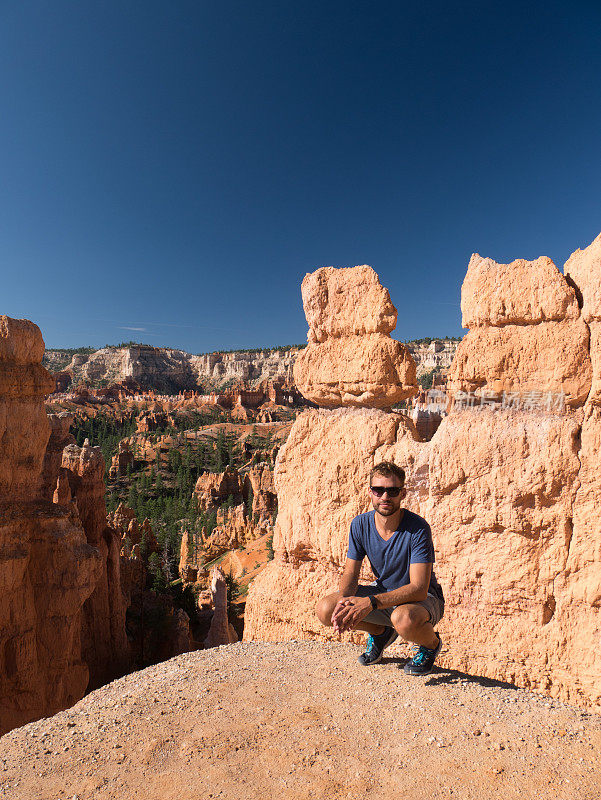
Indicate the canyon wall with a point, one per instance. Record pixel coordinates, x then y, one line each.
60 629
245 504
167 370
105 648
436 354
509 483
47 568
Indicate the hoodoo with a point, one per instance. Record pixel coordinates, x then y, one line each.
351 359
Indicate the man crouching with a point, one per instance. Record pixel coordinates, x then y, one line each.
406 599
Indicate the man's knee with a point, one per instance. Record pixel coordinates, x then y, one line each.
325 608
407 618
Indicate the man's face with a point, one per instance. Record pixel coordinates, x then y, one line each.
385 504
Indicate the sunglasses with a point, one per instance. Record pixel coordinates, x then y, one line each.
391 491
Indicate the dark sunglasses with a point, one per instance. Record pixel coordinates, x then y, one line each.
391 491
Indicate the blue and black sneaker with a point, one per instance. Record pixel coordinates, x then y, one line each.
423 661
376 646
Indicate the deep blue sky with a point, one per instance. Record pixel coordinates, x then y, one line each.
177 167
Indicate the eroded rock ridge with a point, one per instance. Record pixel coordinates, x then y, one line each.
61 623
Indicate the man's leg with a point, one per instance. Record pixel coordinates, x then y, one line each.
325 609
412 622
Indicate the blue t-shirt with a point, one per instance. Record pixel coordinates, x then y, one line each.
390 561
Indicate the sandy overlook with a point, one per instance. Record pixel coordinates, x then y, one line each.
303 720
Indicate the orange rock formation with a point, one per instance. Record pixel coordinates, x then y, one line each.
525 332
250 516
123 459
48 570
80 482
350 359
220 632
583 270
511 492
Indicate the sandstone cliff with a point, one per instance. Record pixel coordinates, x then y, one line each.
62 614
48 570
509 483
167 370
434 354
105 648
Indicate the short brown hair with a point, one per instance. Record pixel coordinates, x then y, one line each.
388 470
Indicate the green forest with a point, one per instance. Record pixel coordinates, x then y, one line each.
163 490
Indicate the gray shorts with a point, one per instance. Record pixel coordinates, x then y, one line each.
381 616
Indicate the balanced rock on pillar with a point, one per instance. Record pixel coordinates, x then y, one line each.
526 335
512 494
520 293
347 301
350 359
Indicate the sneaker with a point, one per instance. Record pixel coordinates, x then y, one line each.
423 661
376 646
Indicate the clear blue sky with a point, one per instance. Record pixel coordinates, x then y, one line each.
171 170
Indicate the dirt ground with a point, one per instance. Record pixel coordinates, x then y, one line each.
303 720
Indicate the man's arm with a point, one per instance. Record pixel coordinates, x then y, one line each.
413 592
350 611
349 580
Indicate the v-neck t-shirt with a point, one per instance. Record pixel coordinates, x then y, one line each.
390 559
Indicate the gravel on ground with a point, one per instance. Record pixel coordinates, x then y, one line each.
303 720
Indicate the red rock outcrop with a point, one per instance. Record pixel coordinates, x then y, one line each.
47 568
125 523
501 496
24 427
215 488
220 632
245 505
122 460
350 359
346 302
234 529
550 357
62 381
518 486
104 642
511 492
258 482
520 293
149 422
526 334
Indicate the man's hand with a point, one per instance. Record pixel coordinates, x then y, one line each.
349 611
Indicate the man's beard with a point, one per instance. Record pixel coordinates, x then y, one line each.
387 512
